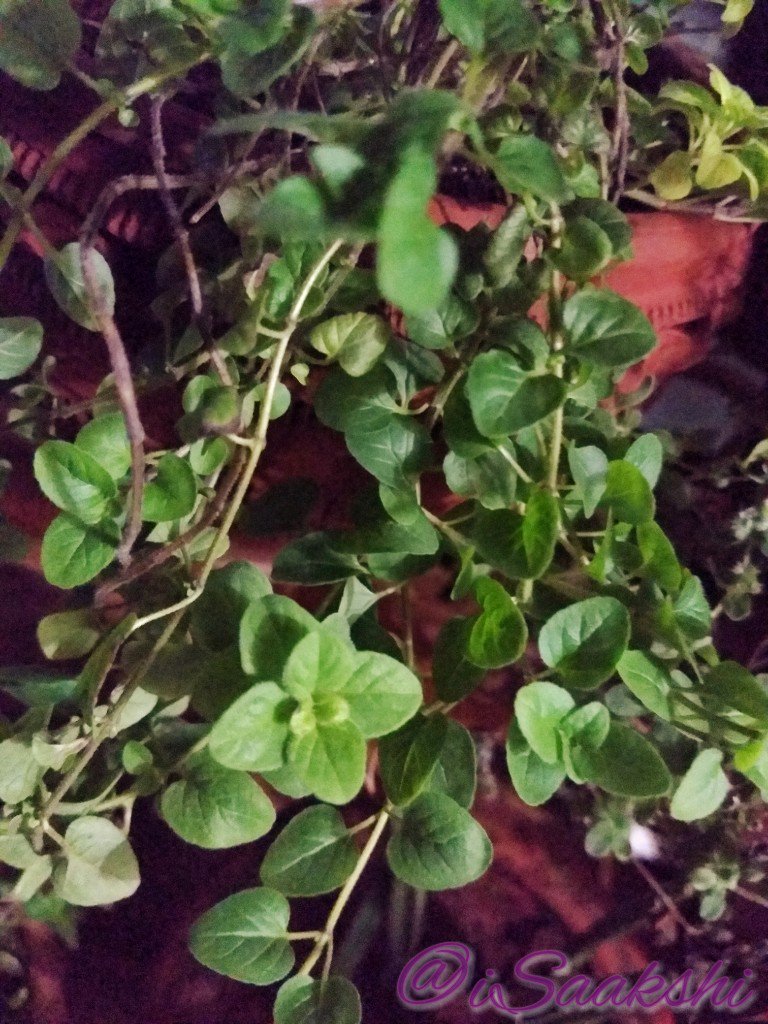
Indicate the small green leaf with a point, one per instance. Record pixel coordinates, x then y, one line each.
465 19
314 560
589 467
71 634
38 40
584 641
303 1000
21 339
19 770
106 440
585 249
99 866
539 710
702 789
456 770
6 159
691 609
628 494
269 630
521 546
64 275
173 492
215 807
73 552
319 662
535 781
382 693
524 163
228 592
440 328
730 687
627 764
245 937
499 634
606 329
647 454
252 733
407 757
247 74
454 675
648 680
504 398
391 445
438 845
315 853
330 759
659 558
74 481
355 340
673 178
507 244
417 261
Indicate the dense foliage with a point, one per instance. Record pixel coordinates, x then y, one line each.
497 379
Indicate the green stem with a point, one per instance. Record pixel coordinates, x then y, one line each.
343 898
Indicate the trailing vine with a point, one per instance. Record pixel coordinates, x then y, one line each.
483 359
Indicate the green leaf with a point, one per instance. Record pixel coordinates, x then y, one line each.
17 851
521 546
438 845
628 765
106 440
355 340
608 216
526 164
648 680
691 609
647 454
489 478
605 329
74 481
38 40
252 27
539 710
659 558
389 444
584 641
247 74
215 807
245 937
499 634
627 494
382 694
416 261
585 249
319 662
73 552
269 630
315 853
439 328
314 560
303 1000
228 593
673 178
6 159
455 773
407 757
507 245
330 759
173 492
589 467
71 634
21 338
730 687
453 674
535 781
504 398
19 770
251 734
64 275
702 789
465 19
100 866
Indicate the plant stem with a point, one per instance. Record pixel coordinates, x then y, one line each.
342 899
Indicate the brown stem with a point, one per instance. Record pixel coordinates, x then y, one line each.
620 140
181 236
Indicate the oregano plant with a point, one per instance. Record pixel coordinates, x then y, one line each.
480 362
